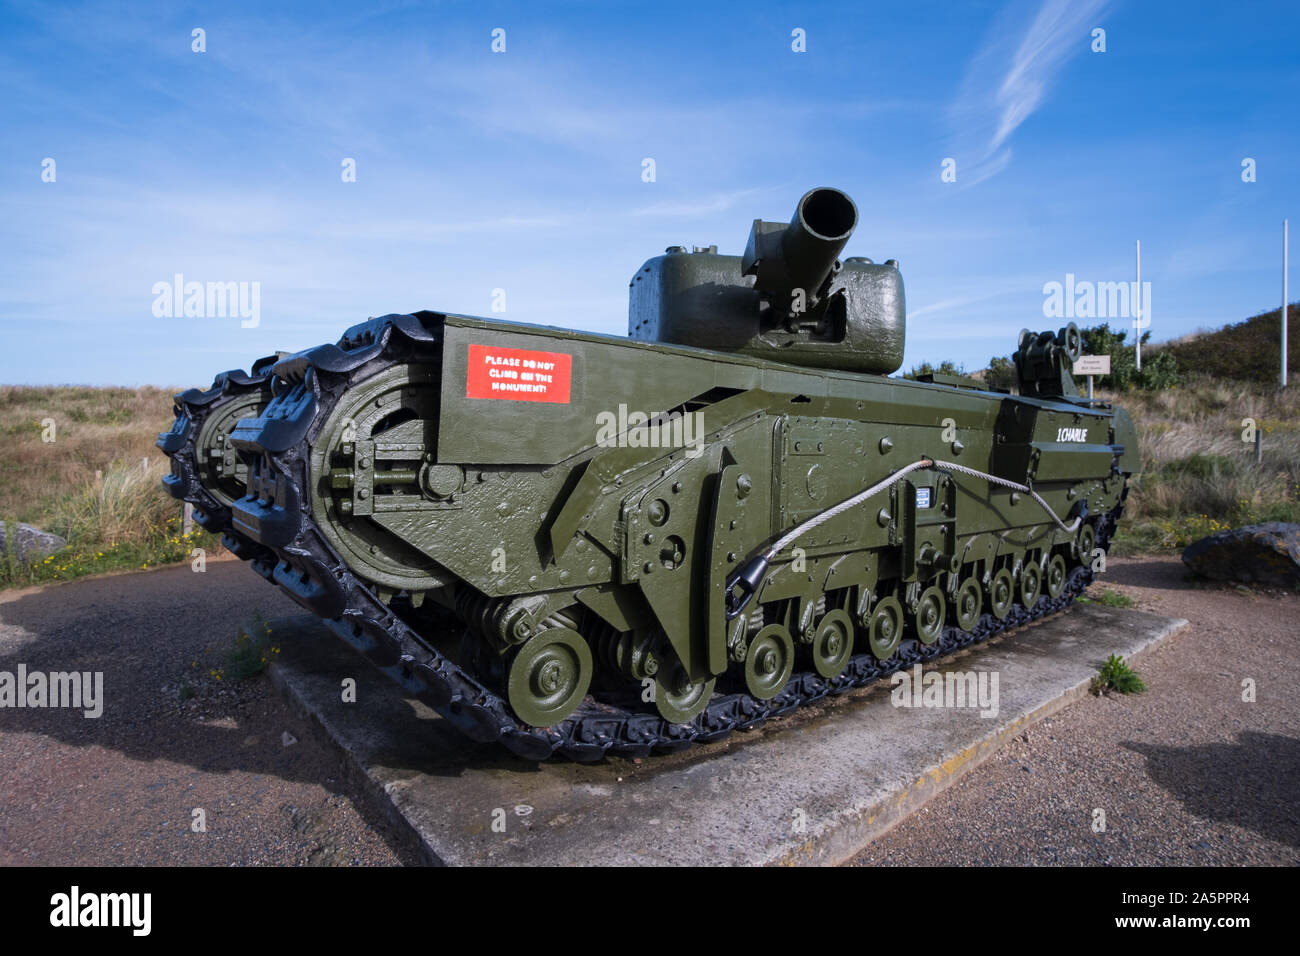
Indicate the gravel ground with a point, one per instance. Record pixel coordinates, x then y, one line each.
1188 773
122 789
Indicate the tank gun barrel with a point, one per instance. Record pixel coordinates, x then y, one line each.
801 254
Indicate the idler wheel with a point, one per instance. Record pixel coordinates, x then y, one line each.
393 408
679 699
967 604
1031 584
1002 594
769 661
549 676
1056 575
885 629
832 644
928 619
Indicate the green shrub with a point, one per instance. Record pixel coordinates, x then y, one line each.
945 367
1001 373
1159 371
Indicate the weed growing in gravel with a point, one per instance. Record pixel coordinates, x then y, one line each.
1108 598
1117 676
252 651
1111 599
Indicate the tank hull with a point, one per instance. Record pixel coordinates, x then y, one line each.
527 482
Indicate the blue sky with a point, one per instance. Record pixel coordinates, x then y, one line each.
522 170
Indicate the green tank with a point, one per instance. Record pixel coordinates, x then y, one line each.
586 544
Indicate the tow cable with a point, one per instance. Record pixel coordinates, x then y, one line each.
745 581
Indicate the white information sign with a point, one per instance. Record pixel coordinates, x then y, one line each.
1092 365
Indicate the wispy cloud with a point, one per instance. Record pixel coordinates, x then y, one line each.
1010 76
946 307
696 207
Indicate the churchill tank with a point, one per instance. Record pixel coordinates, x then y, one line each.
584 544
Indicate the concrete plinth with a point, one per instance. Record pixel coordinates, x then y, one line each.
814 787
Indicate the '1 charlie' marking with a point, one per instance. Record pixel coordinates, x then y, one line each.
1072 434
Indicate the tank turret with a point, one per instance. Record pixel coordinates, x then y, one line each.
789 298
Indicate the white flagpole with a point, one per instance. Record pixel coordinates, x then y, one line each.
1285 236
1137 326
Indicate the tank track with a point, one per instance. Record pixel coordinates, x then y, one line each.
309 570
193 408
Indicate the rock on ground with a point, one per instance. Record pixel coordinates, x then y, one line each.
1267 554
29 543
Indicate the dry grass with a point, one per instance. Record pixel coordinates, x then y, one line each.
95 429
1198 475
124 518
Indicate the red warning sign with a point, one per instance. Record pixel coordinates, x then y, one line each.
520 374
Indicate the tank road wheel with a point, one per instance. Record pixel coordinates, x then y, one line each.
885 629
1031 584
677 698
1087 542
967 604
549 676
1054 580
928 619
769 662
832 645
1002 594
